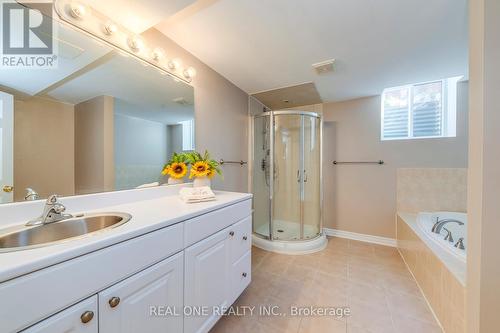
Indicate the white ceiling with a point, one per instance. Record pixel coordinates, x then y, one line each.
264 45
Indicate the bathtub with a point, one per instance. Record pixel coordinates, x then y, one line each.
425 222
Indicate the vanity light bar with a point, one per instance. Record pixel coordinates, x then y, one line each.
82 16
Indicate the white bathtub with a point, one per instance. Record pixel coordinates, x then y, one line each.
425 221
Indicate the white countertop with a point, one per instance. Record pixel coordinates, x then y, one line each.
150 211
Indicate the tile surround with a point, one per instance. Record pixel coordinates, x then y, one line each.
431 189
371 280
444 292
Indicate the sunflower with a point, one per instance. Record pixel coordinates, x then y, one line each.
166 170
199 169
178 170
211 173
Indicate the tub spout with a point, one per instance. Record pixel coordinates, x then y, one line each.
440 224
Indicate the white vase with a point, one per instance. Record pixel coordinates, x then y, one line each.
174 181
201 181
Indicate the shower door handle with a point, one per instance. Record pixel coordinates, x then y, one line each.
298 176
305 176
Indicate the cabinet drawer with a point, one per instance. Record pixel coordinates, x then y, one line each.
241 275
241 241
70 320
201 227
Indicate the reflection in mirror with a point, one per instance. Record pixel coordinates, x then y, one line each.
100 121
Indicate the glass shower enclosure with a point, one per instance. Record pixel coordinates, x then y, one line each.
286 180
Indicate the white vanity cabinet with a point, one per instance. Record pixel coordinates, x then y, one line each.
217 270
79 318
140 303
173 279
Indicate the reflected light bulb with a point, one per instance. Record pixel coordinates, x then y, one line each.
158 54
110 28
135 43
78 10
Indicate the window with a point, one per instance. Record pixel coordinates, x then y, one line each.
187 134
423 110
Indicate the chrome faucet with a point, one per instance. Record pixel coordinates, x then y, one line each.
52 212
440 224
449 236
31 195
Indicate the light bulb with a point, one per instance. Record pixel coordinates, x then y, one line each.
189 73
158 54
78 10
110 28
135 43
174 64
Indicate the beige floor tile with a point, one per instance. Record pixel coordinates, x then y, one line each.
322 325
371 280
404 305
410 325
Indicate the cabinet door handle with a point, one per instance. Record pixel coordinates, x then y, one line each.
114 301
244 274
87 316
245 237
231 233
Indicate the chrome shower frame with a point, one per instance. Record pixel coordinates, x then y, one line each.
271 115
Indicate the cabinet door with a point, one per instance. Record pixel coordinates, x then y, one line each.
150 301
79 318
207 282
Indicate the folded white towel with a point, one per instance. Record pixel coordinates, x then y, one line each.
196 194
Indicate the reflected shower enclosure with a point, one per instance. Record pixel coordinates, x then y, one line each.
286 181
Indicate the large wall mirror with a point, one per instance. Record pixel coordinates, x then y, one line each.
100 121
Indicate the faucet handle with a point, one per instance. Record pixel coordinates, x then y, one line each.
52 199
448 236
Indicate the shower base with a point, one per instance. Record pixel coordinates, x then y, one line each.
286 238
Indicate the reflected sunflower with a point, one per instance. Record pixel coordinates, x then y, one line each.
199 169
178 170
166 170
211 173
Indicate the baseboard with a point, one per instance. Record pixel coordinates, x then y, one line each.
361 237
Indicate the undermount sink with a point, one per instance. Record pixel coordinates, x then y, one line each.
28 237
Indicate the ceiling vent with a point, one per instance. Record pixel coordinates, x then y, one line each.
324 67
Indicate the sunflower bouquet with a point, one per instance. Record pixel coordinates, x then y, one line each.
177 166
202 165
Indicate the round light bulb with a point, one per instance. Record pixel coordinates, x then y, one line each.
110 28
78 10
174 64
158 54
189 73
135 43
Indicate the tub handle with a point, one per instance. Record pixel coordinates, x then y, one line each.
448 236
460 244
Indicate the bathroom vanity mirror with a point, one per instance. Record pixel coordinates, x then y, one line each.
101 120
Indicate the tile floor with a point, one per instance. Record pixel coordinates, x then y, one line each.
371 280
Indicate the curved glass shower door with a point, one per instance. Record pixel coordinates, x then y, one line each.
286 175
286 204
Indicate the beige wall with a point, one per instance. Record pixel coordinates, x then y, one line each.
43 147
221 114
362 198
483 265
94 140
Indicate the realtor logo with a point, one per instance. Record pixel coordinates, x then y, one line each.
27 35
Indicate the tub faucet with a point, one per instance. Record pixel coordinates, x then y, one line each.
440 224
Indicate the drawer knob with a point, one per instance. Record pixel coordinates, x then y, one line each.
245 237
244 274
87 316
114 301
231 233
